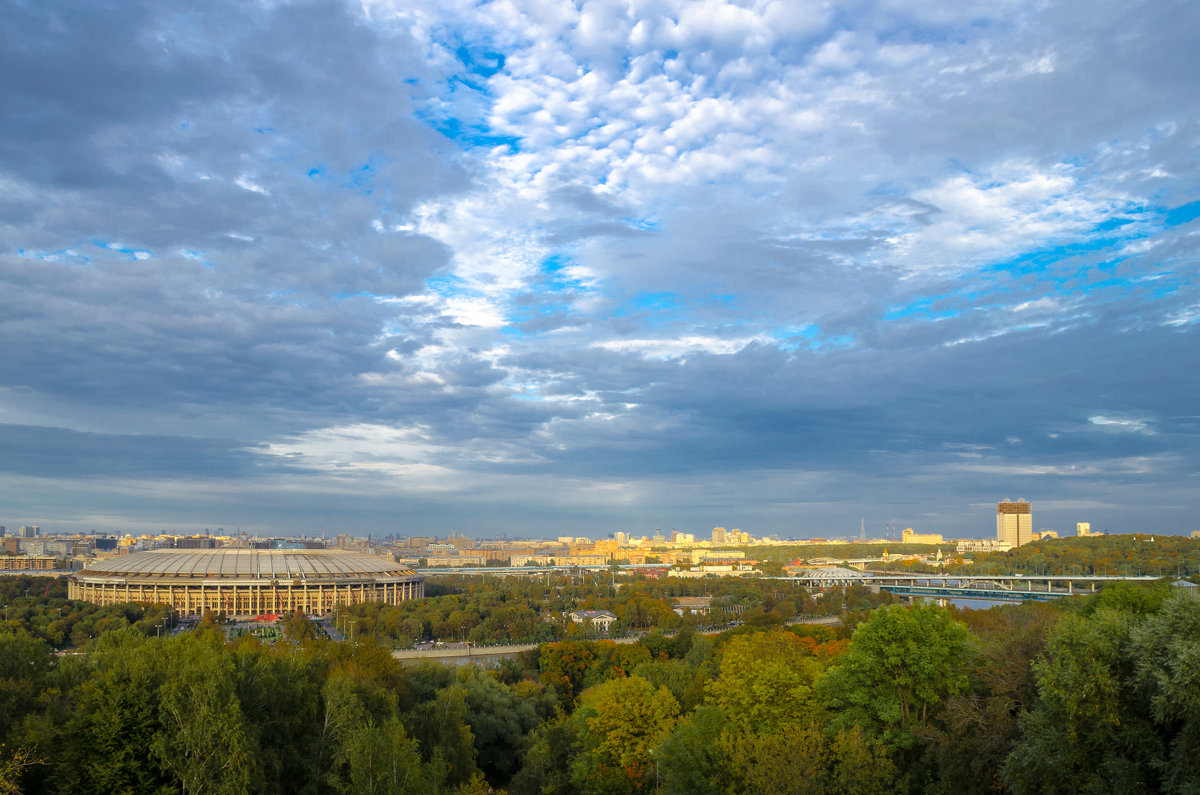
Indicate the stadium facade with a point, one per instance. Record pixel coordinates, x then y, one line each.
246 582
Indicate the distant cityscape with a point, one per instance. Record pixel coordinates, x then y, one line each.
723 551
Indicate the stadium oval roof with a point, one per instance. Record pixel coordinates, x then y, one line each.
255 564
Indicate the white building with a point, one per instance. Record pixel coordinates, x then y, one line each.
600 619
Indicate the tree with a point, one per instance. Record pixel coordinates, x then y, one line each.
446 741
691 760
1166 653
860 765
383 760
24 661
499 722
783 763
546 764
115 719
620 723
202 738
12 765
565 664
766 681
1088 731
901 665
979 726
298 628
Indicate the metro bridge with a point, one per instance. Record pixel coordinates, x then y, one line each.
540 569
1001 587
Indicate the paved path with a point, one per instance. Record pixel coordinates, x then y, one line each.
459 655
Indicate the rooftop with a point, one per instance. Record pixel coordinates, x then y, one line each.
272 564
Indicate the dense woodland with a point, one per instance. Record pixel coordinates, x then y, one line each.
1095 693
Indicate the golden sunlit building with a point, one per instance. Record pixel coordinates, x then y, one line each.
909 537
1014 522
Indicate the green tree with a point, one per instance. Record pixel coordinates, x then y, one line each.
1166 652
499 721
621 722
782 763
860 765
901 665
202 738
1088 733
766 681
546 764
24 662
691 760
297 627
979 726
115 719
383 760
446 741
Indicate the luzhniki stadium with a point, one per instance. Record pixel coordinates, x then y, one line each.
246 581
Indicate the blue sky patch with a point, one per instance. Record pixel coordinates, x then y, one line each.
1182 214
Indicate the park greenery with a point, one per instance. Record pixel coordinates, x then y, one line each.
489 610
1091 693
1129 554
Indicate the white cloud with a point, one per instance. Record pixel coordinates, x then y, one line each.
673 348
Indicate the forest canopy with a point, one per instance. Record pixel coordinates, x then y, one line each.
1091 693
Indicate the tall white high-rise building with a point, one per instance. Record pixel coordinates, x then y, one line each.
1014 522
1083 528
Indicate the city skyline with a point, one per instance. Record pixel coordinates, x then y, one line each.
537 269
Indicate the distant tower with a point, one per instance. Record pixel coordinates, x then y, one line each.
862 529
1014 522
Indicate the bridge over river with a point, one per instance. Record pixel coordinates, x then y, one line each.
1000 587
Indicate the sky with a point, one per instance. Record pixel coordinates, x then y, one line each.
545 268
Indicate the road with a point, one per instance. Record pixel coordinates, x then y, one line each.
458 654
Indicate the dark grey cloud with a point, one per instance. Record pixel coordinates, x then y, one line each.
33 451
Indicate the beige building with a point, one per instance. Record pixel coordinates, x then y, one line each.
1083 529
454 561
1014 522
907 536
30 563
246 581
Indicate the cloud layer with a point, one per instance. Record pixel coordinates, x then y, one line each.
542 268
